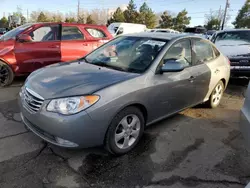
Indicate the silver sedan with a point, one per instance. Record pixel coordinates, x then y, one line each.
110 96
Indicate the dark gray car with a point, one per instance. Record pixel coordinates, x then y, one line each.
109 96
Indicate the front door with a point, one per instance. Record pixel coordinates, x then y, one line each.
43 50
174 90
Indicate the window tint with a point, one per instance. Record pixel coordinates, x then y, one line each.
96 33
131 54
45 33
71 33
203 51
180 52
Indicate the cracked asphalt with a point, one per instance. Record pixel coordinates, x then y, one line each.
198 147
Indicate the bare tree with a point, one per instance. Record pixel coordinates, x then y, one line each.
100 16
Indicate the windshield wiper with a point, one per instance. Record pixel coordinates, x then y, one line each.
102 64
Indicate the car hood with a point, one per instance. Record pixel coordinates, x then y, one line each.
234 48
72 79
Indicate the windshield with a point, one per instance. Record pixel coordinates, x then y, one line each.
240 36
14 32
130 54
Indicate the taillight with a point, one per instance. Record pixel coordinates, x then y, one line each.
229 62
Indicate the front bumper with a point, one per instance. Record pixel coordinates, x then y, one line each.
79 128
240 72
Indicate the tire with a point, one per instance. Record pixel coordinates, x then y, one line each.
6 74
216 95
116 144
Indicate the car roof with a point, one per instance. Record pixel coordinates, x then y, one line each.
70 24
232 30
156 35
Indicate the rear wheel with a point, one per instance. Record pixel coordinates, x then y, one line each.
6 74
125 131
216 95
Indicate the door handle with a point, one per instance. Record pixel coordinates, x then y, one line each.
191 79
54 46
85 44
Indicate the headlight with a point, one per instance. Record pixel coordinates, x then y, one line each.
72 105
21 91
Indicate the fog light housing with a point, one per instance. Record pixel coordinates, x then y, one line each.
65 142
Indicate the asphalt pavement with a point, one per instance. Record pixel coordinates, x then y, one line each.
198 147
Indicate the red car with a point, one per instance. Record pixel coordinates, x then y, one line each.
32 46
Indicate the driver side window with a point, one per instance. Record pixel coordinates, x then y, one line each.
180 52
45 33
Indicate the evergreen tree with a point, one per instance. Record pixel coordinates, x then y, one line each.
243 18
147 16
4 22
181 21
42 17
118 16
131 14
166 20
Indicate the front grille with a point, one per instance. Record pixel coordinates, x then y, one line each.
31 100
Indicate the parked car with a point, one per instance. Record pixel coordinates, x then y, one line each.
32 46
235 44
165 31
109 96
120 28
209 34
2 31
245 118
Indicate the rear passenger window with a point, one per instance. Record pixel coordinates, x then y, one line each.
71 33
203 51
216 52
96 33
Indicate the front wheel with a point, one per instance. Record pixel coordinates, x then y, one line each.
6 74
216 95
125 131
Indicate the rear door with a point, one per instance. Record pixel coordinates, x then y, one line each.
43 50
96 36
74 43
205 72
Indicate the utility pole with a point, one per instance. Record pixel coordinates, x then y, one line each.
27 15
225 14
220 17
78 11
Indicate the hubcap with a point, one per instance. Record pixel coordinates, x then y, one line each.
127 131
3 74
217 94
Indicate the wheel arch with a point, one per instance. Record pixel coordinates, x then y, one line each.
224 82
138 105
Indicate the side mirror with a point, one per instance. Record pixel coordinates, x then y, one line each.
172 66
120 31
24 38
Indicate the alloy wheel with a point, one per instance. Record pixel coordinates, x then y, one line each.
127 131
217 94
